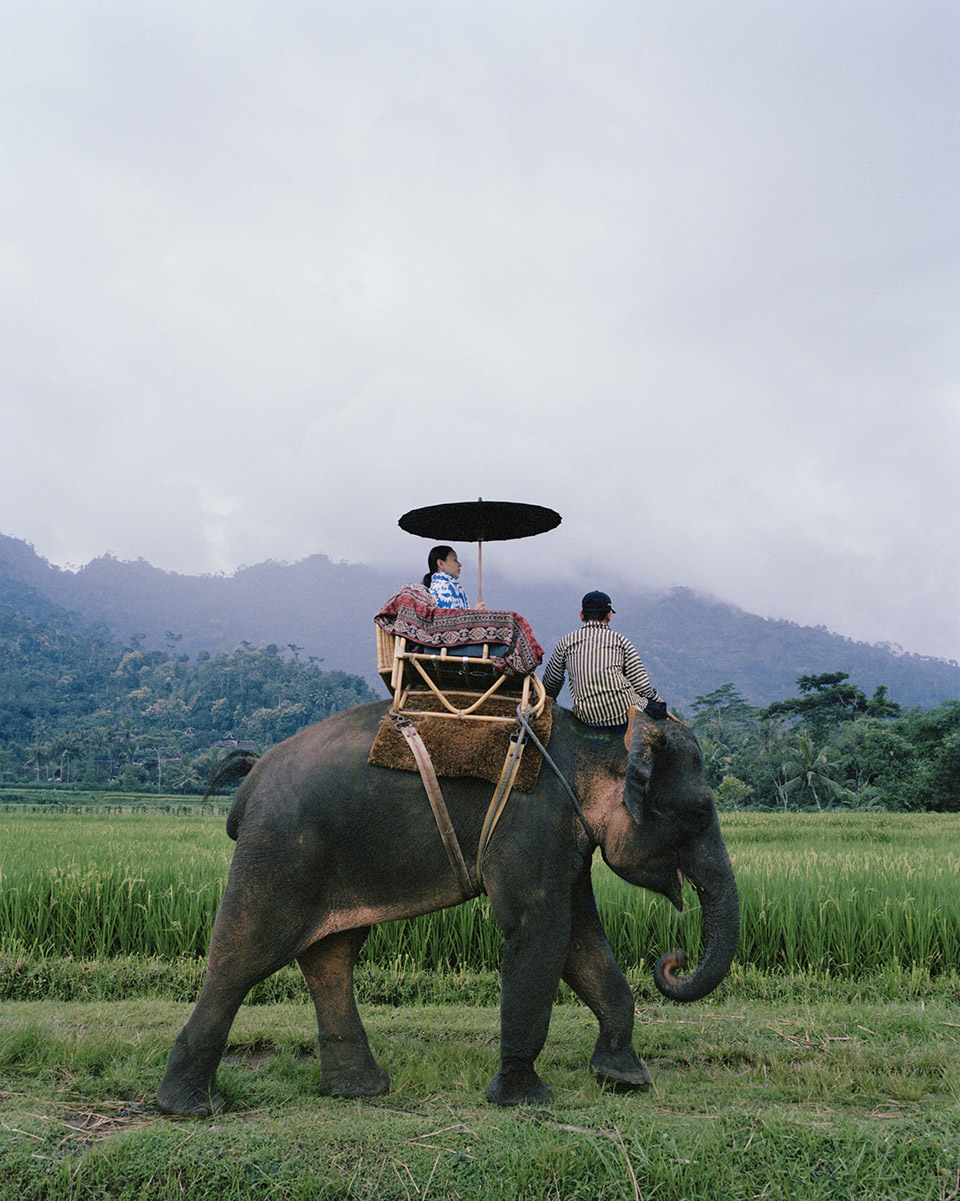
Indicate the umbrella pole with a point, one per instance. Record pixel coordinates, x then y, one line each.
479 575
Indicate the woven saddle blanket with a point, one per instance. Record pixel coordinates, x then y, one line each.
412 614
462 747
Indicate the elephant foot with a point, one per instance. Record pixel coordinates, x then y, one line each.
621 1070
372 1083
518 1087
187 1102
349 1068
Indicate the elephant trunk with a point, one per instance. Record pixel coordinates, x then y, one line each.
711 873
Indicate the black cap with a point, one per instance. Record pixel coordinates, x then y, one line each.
596 604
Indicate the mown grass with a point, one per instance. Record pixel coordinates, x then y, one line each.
810 1097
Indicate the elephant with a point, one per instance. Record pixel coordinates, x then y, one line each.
328 845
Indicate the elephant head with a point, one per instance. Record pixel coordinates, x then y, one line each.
665 831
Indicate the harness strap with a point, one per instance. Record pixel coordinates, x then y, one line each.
508 774
430 782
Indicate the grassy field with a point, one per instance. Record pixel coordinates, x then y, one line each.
802 1097
835 892
827 1066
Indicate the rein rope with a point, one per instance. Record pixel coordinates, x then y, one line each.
522 719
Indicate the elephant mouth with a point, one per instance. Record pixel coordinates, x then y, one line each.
662 874
675 893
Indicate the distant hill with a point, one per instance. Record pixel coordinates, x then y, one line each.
690 643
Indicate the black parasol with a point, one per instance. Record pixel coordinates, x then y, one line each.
480 521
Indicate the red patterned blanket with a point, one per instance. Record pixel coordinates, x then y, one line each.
411 613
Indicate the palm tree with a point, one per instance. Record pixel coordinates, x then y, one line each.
66 745
811 769
99 740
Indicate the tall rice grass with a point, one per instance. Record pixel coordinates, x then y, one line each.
838 894
95 885
848 894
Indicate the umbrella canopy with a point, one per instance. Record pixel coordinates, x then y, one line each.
480 521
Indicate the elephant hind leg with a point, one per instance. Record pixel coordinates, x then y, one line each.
244 949
189 1086
349 1068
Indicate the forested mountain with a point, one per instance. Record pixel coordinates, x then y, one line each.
79 706
691 644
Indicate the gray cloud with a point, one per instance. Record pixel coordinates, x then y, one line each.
685 272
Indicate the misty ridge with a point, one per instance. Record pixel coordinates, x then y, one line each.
690 643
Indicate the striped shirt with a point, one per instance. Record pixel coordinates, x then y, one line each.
606 674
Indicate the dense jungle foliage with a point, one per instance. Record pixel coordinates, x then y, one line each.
829 747
78 709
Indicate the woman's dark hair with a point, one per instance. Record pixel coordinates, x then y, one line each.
438 553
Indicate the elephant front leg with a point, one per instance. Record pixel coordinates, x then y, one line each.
595 976
349 1068
533 956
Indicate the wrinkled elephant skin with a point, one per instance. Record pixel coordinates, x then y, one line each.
328 845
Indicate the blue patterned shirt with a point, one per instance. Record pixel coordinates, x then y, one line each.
448 591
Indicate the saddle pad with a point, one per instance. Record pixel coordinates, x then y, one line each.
464 747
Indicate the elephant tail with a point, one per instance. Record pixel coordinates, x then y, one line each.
231 769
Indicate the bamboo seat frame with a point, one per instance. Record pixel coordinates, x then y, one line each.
412 676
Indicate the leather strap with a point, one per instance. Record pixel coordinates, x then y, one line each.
508 774
430 782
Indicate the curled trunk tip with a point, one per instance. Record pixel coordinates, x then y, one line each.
721 921
666 968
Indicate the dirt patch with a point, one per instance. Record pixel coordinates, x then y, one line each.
255 1054
85 1126
89 1121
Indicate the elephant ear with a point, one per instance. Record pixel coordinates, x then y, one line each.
643 738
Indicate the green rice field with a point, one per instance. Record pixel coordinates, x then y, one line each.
834 893
824 1069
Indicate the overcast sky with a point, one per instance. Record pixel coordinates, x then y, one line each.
686 271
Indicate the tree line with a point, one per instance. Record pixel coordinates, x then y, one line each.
829 747
79 709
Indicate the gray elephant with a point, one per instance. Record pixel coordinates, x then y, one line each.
328 845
